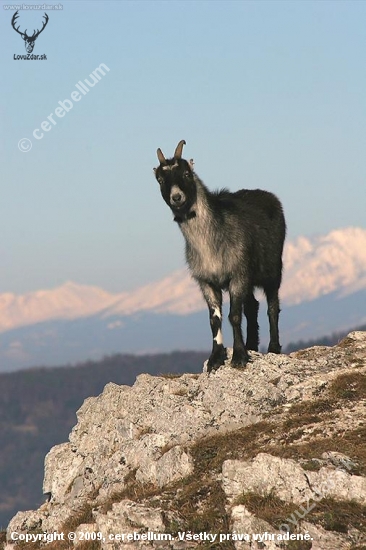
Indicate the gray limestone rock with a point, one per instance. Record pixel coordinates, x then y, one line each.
145 433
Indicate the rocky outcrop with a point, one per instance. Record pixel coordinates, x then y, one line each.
188 456
285 478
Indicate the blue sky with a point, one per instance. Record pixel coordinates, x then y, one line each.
267 94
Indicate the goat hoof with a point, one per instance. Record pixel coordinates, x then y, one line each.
240 359
252 344
274 348
216 360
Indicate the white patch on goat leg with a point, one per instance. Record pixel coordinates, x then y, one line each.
218 337
217 312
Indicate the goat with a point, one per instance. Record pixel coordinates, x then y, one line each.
234 241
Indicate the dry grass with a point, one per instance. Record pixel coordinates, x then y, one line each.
197 503
246 443
88 545
169 375
210 453
339 516
172 375
299 545
84 515
349 386
346 387
312 465
332 515
66 545
346 343
269 507
352 444
134 490
308 412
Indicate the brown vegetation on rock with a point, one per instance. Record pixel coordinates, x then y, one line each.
280 442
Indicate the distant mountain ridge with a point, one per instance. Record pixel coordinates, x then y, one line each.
335 262
65 302
323 291
313 267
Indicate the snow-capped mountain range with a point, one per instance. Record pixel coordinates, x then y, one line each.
331 267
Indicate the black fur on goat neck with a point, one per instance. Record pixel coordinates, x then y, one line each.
234 242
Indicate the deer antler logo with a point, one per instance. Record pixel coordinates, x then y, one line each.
28 40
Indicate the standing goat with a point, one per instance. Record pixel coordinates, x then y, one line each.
234 242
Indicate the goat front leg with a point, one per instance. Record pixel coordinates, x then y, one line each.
213 297
240 355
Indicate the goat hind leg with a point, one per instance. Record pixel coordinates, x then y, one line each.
251 306
240 355
273 316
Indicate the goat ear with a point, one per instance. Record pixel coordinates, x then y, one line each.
191 164
154 170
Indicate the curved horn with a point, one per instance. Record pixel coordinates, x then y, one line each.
178 151
161 156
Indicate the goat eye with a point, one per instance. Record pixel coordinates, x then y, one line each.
161 181
186 174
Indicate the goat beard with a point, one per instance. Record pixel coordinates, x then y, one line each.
180 218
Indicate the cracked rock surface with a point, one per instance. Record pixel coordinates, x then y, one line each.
145 433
